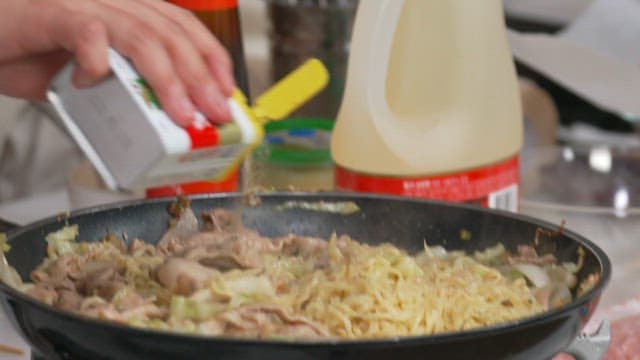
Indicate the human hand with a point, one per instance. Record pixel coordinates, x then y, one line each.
182 61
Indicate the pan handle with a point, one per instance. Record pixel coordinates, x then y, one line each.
591 347
6 226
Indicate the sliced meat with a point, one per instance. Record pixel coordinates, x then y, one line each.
228 251
39 276
225 244
109 312
171 247
93 305
543 295
104 282
212 327
309 248
55 283
269 320
68 300
138 247
44 292
99 308
65 267
183 225
222 220
182 276
527 254
128 299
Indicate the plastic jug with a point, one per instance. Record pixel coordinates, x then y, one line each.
431 106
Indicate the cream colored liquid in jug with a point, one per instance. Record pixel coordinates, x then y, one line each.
431 106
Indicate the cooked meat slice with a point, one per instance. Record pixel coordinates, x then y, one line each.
184 224
183 276
307 247
68 300
269 320
212 327
146 311
222 220
43 292
109 312
66 266
93 305
543 295
203 239
58 275
39 276
138 247
127 299
104 282
528 255
99 308
241 250
173 246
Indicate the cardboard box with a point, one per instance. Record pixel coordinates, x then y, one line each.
133 144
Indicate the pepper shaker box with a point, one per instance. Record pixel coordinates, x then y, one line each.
131 141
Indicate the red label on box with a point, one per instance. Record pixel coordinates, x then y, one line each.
494 186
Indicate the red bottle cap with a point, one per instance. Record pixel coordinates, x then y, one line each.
206 4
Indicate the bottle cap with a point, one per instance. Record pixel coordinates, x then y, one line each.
292 91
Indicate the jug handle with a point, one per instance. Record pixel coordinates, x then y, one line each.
380 54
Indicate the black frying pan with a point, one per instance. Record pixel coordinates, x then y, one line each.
58 334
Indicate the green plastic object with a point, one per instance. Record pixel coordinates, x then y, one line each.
297 142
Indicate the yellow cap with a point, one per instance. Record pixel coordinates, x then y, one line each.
291 92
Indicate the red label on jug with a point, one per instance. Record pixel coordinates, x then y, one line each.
494 186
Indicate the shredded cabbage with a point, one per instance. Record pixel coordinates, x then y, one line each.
62 241
8 275
4 245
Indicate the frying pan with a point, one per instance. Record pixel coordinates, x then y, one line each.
57 334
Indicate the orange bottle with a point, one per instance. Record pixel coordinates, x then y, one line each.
222 18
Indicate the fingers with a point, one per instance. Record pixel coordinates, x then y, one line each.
86 37
215 55
91 50
47 30
186 60
150 58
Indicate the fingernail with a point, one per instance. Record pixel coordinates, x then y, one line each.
227 82
186 110
229 85
217 104
222 108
